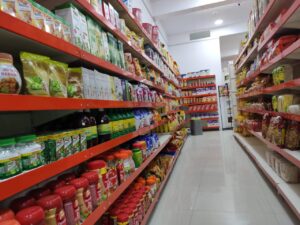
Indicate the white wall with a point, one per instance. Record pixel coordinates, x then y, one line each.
230 44
198 55
145 6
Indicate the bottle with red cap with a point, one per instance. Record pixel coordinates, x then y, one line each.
10 222
70 203
53 208
95 190
120 157
112 173
123 219
100 167
22 202
83 196
40 192
6 214
33 215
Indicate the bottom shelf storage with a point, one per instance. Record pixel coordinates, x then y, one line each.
255 148
162 186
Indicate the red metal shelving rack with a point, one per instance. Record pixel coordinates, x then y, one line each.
199 77
199 86
30 103
201 111
104 206
200 103
199 96
211 128
28 179
161 188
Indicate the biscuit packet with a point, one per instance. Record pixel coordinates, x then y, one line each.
58 75
48 21
38 16
9 7
35 72
24 10
75 83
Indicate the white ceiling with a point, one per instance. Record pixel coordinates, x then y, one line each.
187 16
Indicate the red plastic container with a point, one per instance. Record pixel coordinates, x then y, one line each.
31 216
6 214
137 14
40 192
53 207
83 196
148 28
95 190
122 218
68 195
23 202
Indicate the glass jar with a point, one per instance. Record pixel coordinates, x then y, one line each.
10 79
31 152
10 159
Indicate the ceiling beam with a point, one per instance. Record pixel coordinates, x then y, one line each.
178 9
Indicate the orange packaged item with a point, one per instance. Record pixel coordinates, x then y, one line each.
10 222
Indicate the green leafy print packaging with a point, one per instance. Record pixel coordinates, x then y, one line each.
58 76
35 72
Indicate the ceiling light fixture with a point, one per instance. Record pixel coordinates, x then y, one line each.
218 22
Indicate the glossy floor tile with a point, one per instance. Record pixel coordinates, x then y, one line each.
215 183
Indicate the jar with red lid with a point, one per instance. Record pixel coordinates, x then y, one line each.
100 167
139 207
137 12
22 202
68 195
40 192
120 166
33 215
112 172
122 219
148 197
95 189
56 184
53 208
130 160
141 145
113 213
151 182
10 222
129 211
6 214
67 177
83 196
133 206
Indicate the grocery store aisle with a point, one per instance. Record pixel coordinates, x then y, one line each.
215 183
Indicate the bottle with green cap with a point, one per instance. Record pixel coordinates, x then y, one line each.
30 151
10 159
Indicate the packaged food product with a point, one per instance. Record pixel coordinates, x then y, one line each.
56 145
10 159
94 188
284 101
71 208
75 83
83 196
48 21
137 14
24 10
35 73
38 16
10 80
31 216
53 207
75 141
31 152
275 103
282 74
112 173
58 73
100 167
265 124
9 7
72 15
67 138
292 139
97 5
289 172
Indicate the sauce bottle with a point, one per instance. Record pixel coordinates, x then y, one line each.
93 128
103 127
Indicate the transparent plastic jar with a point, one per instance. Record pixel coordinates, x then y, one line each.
10 159
31 152
10 79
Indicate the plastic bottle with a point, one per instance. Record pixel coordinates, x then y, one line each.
120 123
53 207
31 216
114 125
68 195
83 196
10 159
103 127
93 178
92 129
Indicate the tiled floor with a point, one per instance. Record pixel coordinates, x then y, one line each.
215 183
